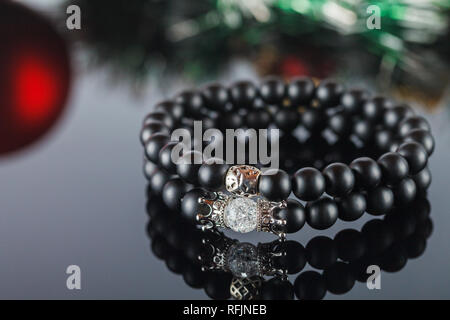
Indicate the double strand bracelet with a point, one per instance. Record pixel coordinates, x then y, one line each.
243 198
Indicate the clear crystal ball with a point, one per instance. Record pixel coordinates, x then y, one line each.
242 260
241 215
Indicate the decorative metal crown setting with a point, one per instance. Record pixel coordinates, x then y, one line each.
244 210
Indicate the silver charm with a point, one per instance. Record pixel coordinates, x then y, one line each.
241 214
242 180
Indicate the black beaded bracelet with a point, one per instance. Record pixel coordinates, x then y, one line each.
226 268
260 200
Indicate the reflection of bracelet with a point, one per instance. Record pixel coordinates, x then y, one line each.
258 201
276 270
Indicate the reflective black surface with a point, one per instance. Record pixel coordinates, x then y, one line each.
224 267
78 197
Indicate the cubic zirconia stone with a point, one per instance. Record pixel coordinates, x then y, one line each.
241 215
242 260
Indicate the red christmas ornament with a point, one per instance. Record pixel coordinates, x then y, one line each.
293 66
34 76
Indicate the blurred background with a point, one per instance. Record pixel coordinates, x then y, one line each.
154 46
71 104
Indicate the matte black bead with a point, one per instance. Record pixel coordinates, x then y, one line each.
194 276
258 119
405 191
310 285
412 123
374 108
415 154
217 285
293 258
421 209
300 90
176 262
192 101
190 206
216 97
394 259
329 93
157 180
359 268
353 100
210 122
308 184
163 225
211 174
232 120
351 245
321 252
393 116
294 214
339 179
383 140
160 247
153 127
177 233
422 179
363 129
189 166
154 144
275 185
161 117
415 246
176 110
173 191
165 157
149 167
425 228
259 104
193 246
379 236
154 207
314 119
395 143
423 137
272 90
402 222
321 214
339 278
287 119
380 201
277 289
367 173
340 124
243 93
352 206
394 167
